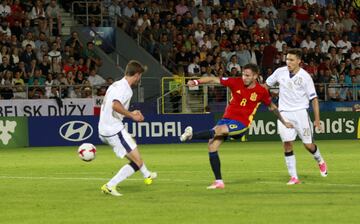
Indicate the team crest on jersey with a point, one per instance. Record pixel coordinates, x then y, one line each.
238 92
253 97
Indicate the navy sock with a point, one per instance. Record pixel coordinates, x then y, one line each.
215 164
208 134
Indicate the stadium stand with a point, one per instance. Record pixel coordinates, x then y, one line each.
202 37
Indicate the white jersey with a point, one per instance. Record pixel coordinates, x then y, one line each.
294 92
110 122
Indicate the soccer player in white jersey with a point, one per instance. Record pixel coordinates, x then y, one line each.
296 90
114 108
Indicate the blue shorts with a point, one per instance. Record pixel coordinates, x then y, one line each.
236 128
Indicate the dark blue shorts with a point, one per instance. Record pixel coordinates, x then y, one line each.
236 128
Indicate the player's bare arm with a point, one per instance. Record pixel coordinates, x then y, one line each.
315 105
119 108
203 80
273 108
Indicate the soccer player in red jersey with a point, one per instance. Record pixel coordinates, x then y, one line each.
247 95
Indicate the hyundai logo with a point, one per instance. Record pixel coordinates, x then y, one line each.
76 131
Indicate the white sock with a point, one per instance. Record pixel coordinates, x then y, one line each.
125 172
146 173
317 156
291 165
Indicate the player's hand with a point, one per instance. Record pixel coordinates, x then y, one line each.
317 125
288 124
137 115
191 83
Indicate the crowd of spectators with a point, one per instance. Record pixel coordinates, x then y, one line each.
191 38
217 38
37 62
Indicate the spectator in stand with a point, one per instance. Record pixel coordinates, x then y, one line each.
268 56
92 60
326 44
37 76
44 66
263 22
308 43
269 7
55 58
75 44
81 66
5 9
29 39
95 79
69 65
41 52
181 8
28 55
27 28
37 12
42 42
14 57
354 37
194 68
129 9
54 16
243 55
344 44
233 64
4 28
79 78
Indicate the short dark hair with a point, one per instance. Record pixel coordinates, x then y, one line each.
296 52
134 67
254 68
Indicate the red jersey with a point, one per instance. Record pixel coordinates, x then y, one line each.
244 102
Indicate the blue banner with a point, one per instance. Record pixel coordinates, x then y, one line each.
75 130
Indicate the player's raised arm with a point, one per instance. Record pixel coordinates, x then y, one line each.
272 107
203 80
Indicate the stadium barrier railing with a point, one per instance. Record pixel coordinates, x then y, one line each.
177 98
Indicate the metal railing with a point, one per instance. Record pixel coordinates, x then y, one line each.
85 16
177 98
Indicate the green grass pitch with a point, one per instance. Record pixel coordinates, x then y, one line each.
52 185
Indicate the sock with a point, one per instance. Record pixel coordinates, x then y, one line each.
215 164
317 155
145 172
291 163
208 134
125 172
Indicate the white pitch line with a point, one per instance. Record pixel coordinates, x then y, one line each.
207 171
168 180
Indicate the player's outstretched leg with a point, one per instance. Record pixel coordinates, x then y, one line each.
205 134
315 151
187 135
125 172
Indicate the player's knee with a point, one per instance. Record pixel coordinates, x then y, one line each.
220 130
288 146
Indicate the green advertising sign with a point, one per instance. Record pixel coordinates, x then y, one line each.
335 125
13 132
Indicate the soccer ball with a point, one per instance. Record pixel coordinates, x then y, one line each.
87 152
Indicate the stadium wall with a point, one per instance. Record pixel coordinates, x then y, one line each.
157 129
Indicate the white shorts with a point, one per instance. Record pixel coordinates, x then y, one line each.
122 143
302 126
